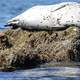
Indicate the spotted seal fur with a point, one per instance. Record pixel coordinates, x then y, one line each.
48 17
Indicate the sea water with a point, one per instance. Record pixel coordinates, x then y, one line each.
48 73
8 10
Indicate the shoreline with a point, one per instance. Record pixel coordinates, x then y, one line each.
61 64
47 65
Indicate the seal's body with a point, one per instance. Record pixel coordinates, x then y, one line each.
48 17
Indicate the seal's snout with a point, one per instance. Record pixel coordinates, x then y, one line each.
12 23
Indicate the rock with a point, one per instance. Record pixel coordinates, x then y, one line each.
29 49
2 34
8 69
4 41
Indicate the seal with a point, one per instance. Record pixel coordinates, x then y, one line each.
48 17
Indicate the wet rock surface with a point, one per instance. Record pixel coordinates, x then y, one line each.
27 49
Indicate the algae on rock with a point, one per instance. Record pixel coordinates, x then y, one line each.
27 49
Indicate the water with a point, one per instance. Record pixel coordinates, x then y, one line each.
11 8
50 73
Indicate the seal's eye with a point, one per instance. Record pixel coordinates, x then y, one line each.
13 22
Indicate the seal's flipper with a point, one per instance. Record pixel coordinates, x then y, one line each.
62 5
